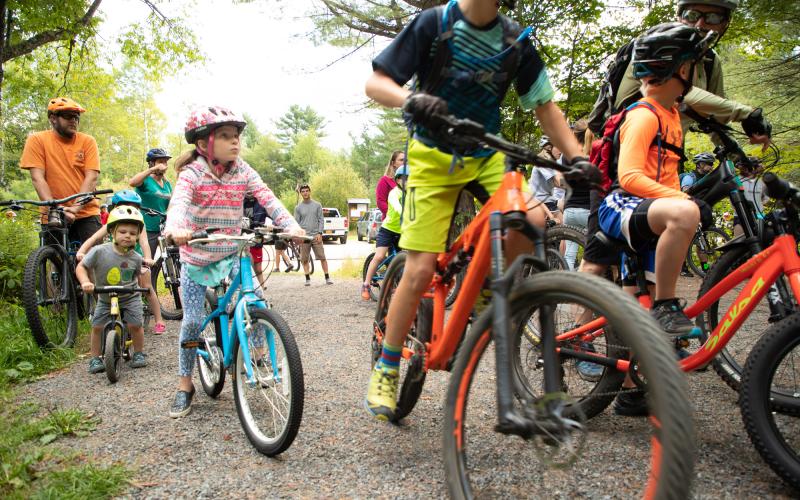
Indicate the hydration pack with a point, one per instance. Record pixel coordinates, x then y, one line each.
605 151
441 68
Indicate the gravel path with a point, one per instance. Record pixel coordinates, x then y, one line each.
340 451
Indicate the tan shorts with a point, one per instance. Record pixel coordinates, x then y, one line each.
305 251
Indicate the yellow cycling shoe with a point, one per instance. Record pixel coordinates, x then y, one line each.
382 393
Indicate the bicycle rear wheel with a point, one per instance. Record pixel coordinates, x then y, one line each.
770 398
412 371
211 371
270 407
568 235
703 250
49 299
166 281
658 452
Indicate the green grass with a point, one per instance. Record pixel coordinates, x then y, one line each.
351 268
31 463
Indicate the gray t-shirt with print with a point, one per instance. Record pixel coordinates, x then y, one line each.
111 268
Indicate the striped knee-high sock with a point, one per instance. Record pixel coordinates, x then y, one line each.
390 357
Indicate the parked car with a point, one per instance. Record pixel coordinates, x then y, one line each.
334 226
368 225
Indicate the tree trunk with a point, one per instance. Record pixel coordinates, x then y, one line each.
5 21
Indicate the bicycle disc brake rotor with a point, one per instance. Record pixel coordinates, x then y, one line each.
560 440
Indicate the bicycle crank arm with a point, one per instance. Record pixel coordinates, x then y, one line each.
526 427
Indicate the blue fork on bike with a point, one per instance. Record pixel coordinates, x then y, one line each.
247 299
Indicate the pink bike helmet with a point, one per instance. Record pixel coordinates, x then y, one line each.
202 122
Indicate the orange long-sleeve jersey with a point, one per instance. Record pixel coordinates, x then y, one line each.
640 171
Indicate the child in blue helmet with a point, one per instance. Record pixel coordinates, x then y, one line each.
131 198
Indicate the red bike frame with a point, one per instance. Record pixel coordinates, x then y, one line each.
762 270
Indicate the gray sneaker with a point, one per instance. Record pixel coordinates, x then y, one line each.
139 360
96 365
308 282
672 319
328 281
182 405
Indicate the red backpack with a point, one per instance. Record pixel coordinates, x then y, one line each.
605 151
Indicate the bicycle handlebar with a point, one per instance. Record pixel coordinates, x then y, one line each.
708 125
53 203
124 290
464 132
153 212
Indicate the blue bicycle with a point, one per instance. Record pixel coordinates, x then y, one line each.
245 337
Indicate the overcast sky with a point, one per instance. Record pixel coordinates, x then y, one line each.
260 61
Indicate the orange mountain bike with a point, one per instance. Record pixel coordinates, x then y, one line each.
497 442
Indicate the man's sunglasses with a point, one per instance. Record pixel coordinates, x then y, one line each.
70 116
711 18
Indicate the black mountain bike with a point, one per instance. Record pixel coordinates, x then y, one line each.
51 294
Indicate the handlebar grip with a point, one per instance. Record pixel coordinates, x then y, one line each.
103 191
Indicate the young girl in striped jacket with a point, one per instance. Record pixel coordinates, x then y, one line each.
210 191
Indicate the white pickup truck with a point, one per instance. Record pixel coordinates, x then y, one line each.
334 225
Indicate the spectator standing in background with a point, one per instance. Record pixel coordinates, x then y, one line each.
387 183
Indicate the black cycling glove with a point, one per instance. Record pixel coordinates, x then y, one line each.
756 124
706 214
582 172
424 108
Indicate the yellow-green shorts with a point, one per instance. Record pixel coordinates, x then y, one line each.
432 193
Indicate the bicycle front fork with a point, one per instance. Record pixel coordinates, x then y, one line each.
510 419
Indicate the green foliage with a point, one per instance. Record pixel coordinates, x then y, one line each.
20 357
18 238
30 467
334 184
299 121
372 151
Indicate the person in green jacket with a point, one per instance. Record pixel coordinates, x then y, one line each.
707 96
389 233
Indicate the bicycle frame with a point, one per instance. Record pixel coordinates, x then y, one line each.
247 298
385 262
762 270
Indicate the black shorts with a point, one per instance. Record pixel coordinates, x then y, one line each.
552 206
386 238
152 240
280 245
79 231
595 251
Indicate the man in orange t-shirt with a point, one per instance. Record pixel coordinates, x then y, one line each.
63 162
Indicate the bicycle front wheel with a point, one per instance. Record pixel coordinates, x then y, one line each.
112 350
166 280
703 253
770 398
730 361
656 453
270 406
50 303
